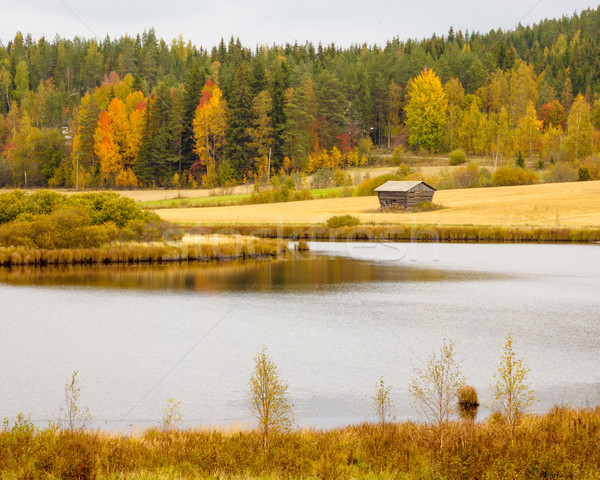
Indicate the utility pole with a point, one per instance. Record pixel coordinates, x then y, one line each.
269 170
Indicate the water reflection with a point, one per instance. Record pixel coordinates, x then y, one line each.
287 275
334 324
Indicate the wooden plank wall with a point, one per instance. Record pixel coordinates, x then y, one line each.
404 199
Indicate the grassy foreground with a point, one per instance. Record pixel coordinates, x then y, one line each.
556 205
564 443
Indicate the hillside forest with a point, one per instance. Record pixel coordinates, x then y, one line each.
142 112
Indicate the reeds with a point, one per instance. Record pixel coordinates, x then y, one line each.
236 249
560 444
421 233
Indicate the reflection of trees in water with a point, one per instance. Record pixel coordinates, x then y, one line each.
285 275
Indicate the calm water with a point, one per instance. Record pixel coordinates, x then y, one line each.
333 324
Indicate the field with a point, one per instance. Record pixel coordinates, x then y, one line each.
545 205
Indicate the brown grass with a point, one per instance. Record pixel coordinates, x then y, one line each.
192 249
546 205
560 444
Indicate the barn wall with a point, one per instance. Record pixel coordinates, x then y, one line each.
404 199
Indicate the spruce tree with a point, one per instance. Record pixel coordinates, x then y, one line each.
240 118
193 89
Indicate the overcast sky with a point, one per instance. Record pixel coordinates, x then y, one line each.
273 21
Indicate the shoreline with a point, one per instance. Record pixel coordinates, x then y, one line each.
410 233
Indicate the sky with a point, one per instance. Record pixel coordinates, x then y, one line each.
260 22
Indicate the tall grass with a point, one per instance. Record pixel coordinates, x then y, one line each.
563 443
143 253
421 233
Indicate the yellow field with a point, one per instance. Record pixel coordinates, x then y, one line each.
559 204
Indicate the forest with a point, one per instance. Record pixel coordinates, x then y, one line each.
141 112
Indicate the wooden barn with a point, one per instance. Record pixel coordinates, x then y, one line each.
404 195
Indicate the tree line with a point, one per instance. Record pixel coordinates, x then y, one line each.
132 112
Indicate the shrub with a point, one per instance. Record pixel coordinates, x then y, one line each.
301 246
457 157
467 402
469 176
583 174
426 207
55 221
342 221
561 172
341 178
506 176
593 166
322 178
404 170
520 161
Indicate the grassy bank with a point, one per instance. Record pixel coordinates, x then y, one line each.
409 233
564 443
220 248
229 200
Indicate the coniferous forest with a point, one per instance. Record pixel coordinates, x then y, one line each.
139 111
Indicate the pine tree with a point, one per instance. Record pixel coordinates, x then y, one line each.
193 90
278 87
239 122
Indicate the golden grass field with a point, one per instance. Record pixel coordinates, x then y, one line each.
558 204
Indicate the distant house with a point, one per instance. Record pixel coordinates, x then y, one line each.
404 195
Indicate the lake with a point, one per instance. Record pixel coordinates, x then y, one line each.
334 322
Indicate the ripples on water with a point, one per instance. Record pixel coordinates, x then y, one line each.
334 323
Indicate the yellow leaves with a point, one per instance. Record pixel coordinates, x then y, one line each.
118 137
210 122
512 395
426 110
127 179
331 160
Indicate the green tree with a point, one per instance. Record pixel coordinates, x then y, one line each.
239 122
268 398
279 85
194 84
332 106
426 110
21 81
262 130
512 395
6 86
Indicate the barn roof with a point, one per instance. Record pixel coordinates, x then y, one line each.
392 186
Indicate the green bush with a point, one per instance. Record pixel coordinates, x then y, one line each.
426 207
506 176
457 157
342 221
583 174
322 178
56 221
